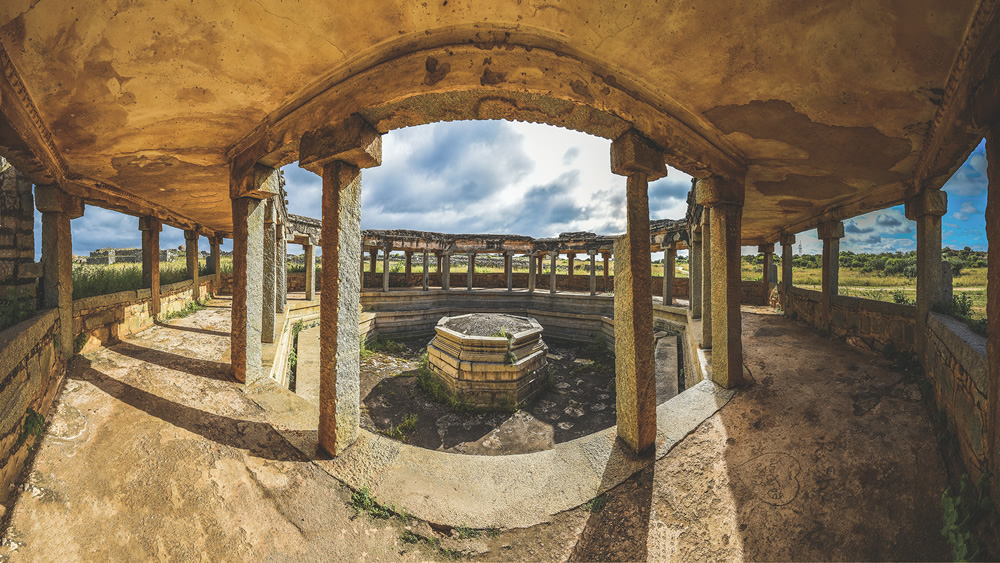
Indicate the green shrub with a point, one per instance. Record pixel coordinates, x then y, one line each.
961 513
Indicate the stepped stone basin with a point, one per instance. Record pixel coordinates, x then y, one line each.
482 367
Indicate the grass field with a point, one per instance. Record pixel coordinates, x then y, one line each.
89 281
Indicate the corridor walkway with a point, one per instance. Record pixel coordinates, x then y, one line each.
152 452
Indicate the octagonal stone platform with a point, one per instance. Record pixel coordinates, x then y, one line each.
483 369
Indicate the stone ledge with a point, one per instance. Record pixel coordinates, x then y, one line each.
525 489
17 341
966 346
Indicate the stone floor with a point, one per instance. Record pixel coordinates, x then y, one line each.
152 452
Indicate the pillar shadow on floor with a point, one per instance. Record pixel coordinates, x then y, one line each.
256 438
618 526
193 366
193 329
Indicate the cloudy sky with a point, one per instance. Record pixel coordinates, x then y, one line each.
537 180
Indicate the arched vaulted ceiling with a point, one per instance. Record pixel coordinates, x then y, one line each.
836 107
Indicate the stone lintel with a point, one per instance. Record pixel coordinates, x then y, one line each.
928 202
258 182
768 248
830 229
51 199
717 190
150 224
787 239
633 152
354 141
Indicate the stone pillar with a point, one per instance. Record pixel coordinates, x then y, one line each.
408 268
362 276
830 232
552 271
541 263
446 272
215 258
471 270
508 266
269 292
993 305
531 272
765 280
151 227
706 279
571 258
385 267
724 200
248 189
374 262
427 266
695 273
338 154
787 242
191 251
309 251
281 265
927 208
58 209
438 254
669 258
593 272
606 257
634 156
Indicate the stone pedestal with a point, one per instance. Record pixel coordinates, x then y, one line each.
151 227
191 253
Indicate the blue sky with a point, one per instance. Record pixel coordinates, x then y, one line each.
537 180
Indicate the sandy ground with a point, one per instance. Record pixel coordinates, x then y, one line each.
152 453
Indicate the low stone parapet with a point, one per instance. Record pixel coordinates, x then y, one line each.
864 323
31 373
956 369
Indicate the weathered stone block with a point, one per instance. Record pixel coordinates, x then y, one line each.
353 142
632 152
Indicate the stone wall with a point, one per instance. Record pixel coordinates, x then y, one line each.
752 293
864 323
956 369
31 372
105 319
19 272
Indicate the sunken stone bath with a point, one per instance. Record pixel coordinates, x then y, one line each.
487 359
